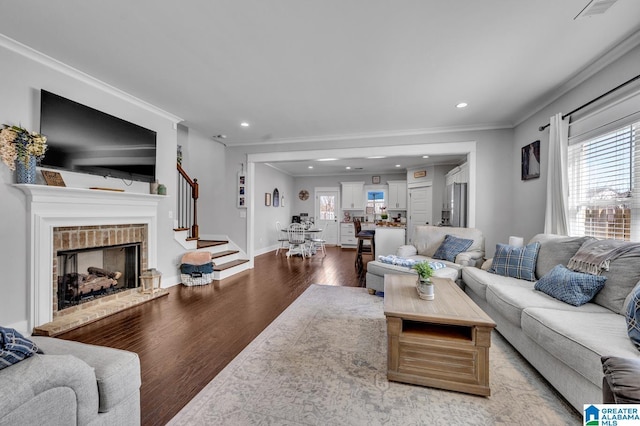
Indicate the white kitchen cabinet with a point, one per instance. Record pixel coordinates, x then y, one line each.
352 195
397 195
347 235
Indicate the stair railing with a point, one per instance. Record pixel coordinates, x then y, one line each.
187 212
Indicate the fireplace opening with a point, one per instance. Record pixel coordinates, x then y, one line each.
90 273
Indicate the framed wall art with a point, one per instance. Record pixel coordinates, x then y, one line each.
241 192
267 199
530 164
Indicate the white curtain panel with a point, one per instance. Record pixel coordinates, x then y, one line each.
556 217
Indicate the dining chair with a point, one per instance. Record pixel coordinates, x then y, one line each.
282 238
362 248
297 240
318 242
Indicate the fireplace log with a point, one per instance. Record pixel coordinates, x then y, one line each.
103 272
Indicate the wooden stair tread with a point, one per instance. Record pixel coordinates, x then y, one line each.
223 253
228 265
211 243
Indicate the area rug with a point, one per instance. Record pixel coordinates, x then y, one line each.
323 361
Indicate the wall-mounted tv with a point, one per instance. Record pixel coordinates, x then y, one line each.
83 139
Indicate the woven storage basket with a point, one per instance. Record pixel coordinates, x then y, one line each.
190 280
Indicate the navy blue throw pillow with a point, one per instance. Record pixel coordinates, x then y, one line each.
574 288
633 317
516 262
451 247
14 347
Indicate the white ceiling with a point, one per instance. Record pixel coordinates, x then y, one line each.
302 70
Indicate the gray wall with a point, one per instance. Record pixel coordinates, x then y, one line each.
529 197
494 149
20 86
268 179
505 204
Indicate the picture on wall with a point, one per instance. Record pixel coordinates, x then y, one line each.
241 192
531 161
267 199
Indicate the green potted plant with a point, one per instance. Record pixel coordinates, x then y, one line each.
424 285
383 213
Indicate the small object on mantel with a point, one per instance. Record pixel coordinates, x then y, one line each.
107 189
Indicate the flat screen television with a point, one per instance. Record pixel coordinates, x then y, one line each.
83 139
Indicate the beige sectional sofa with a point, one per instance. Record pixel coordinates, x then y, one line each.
564 343
426 241
71 383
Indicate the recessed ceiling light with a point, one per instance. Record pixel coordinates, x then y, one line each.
327 159
244 124
425 156
311 167
373 157
398 165
462 105
348 167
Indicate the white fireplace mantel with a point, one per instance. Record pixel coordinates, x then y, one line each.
52 206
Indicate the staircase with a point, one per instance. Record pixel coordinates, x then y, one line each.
226 259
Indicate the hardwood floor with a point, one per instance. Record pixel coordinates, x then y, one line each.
184 340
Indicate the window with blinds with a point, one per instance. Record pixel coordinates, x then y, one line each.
603 175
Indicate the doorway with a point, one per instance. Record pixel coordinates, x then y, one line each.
420 209
326 213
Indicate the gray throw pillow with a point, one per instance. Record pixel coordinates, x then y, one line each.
622 277
555 250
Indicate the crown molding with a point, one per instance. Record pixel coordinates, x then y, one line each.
585 73
48 61
378 135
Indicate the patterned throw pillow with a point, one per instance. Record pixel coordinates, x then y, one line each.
14 347
451 247
574 288
516 262
633 317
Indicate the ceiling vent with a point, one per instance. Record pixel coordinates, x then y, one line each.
595 7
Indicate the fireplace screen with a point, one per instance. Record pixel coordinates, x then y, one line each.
86 274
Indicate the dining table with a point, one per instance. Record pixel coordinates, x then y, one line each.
308 236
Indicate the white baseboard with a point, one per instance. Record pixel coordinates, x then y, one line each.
22 327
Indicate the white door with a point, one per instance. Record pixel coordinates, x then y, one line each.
420 210
327 208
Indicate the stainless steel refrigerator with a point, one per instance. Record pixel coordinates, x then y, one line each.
457 204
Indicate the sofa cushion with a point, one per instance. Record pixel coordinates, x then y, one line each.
621 376
555 250
14 347
516 262
427 238
478 280
510 297
622 277
632 316
117 372
579 338
406 251
451 247
574 288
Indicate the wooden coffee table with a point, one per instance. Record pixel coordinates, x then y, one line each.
442 343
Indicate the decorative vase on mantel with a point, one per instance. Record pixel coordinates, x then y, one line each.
425 289
26 170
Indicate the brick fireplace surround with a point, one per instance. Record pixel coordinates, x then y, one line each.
74 218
